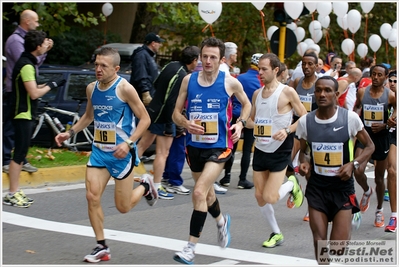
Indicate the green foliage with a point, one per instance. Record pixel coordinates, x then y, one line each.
76 46
53 16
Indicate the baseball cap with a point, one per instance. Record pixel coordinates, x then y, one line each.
255 58
152 37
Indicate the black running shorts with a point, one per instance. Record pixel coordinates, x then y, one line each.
197 157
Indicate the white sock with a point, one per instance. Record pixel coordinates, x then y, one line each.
191 245
157 185
285 188
394 214
368 192
268 212
377 210
221 222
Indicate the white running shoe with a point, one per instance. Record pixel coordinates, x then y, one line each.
177 189
152 195
224 232
219 189
185 256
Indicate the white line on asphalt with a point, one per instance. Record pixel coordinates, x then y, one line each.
156 241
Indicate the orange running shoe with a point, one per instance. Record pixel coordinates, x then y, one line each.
306 217
290 202
379 219
365 201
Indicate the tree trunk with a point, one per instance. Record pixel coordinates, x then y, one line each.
142 18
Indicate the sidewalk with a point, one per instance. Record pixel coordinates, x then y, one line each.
56 176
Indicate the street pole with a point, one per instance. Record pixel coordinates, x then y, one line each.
281 44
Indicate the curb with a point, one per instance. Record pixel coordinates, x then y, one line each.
56 176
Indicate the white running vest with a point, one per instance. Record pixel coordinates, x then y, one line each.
268 121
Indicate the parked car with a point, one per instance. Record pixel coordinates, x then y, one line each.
125 51
67 97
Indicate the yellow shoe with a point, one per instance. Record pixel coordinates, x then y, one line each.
296 191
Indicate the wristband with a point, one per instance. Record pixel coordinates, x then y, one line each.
71 133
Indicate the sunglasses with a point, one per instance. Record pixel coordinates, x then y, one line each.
392 81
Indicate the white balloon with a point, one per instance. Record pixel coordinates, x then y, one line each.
324 21
210 11
348 46
300 34
293 9
259 5
385 30
107 9
317 36
354 20
367 6
292 26
395 25
375 42
340 8
315 47
311 6
314 26
301 48
308 41
393 38
324 8
362 49
270 31
343 22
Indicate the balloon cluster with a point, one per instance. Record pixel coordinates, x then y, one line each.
347 20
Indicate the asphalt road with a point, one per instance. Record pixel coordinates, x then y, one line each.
55 230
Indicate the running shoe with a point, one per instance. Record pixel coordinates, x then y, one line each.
306 217
99 253
225 181
290 201
224 232
245 184
296 192
15 200
162 194
219 189
391 227
185 256
274 240
386 195
177 189
152 194
356 220
365 201
27 167
6 168
379 219
27 199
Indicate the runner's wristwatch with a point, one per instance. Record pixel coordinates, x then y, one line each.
244 122
130 143
356 164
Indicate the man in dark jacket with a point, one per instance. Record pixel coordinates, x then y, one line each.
144 67
160 109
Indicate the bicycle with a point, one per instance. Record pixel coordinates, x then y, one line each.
57 127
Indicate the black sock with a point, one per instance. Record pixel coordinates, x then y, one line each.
101 242
146 187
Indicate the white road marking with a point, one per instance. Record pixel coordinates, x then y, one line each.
225 262
156 241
